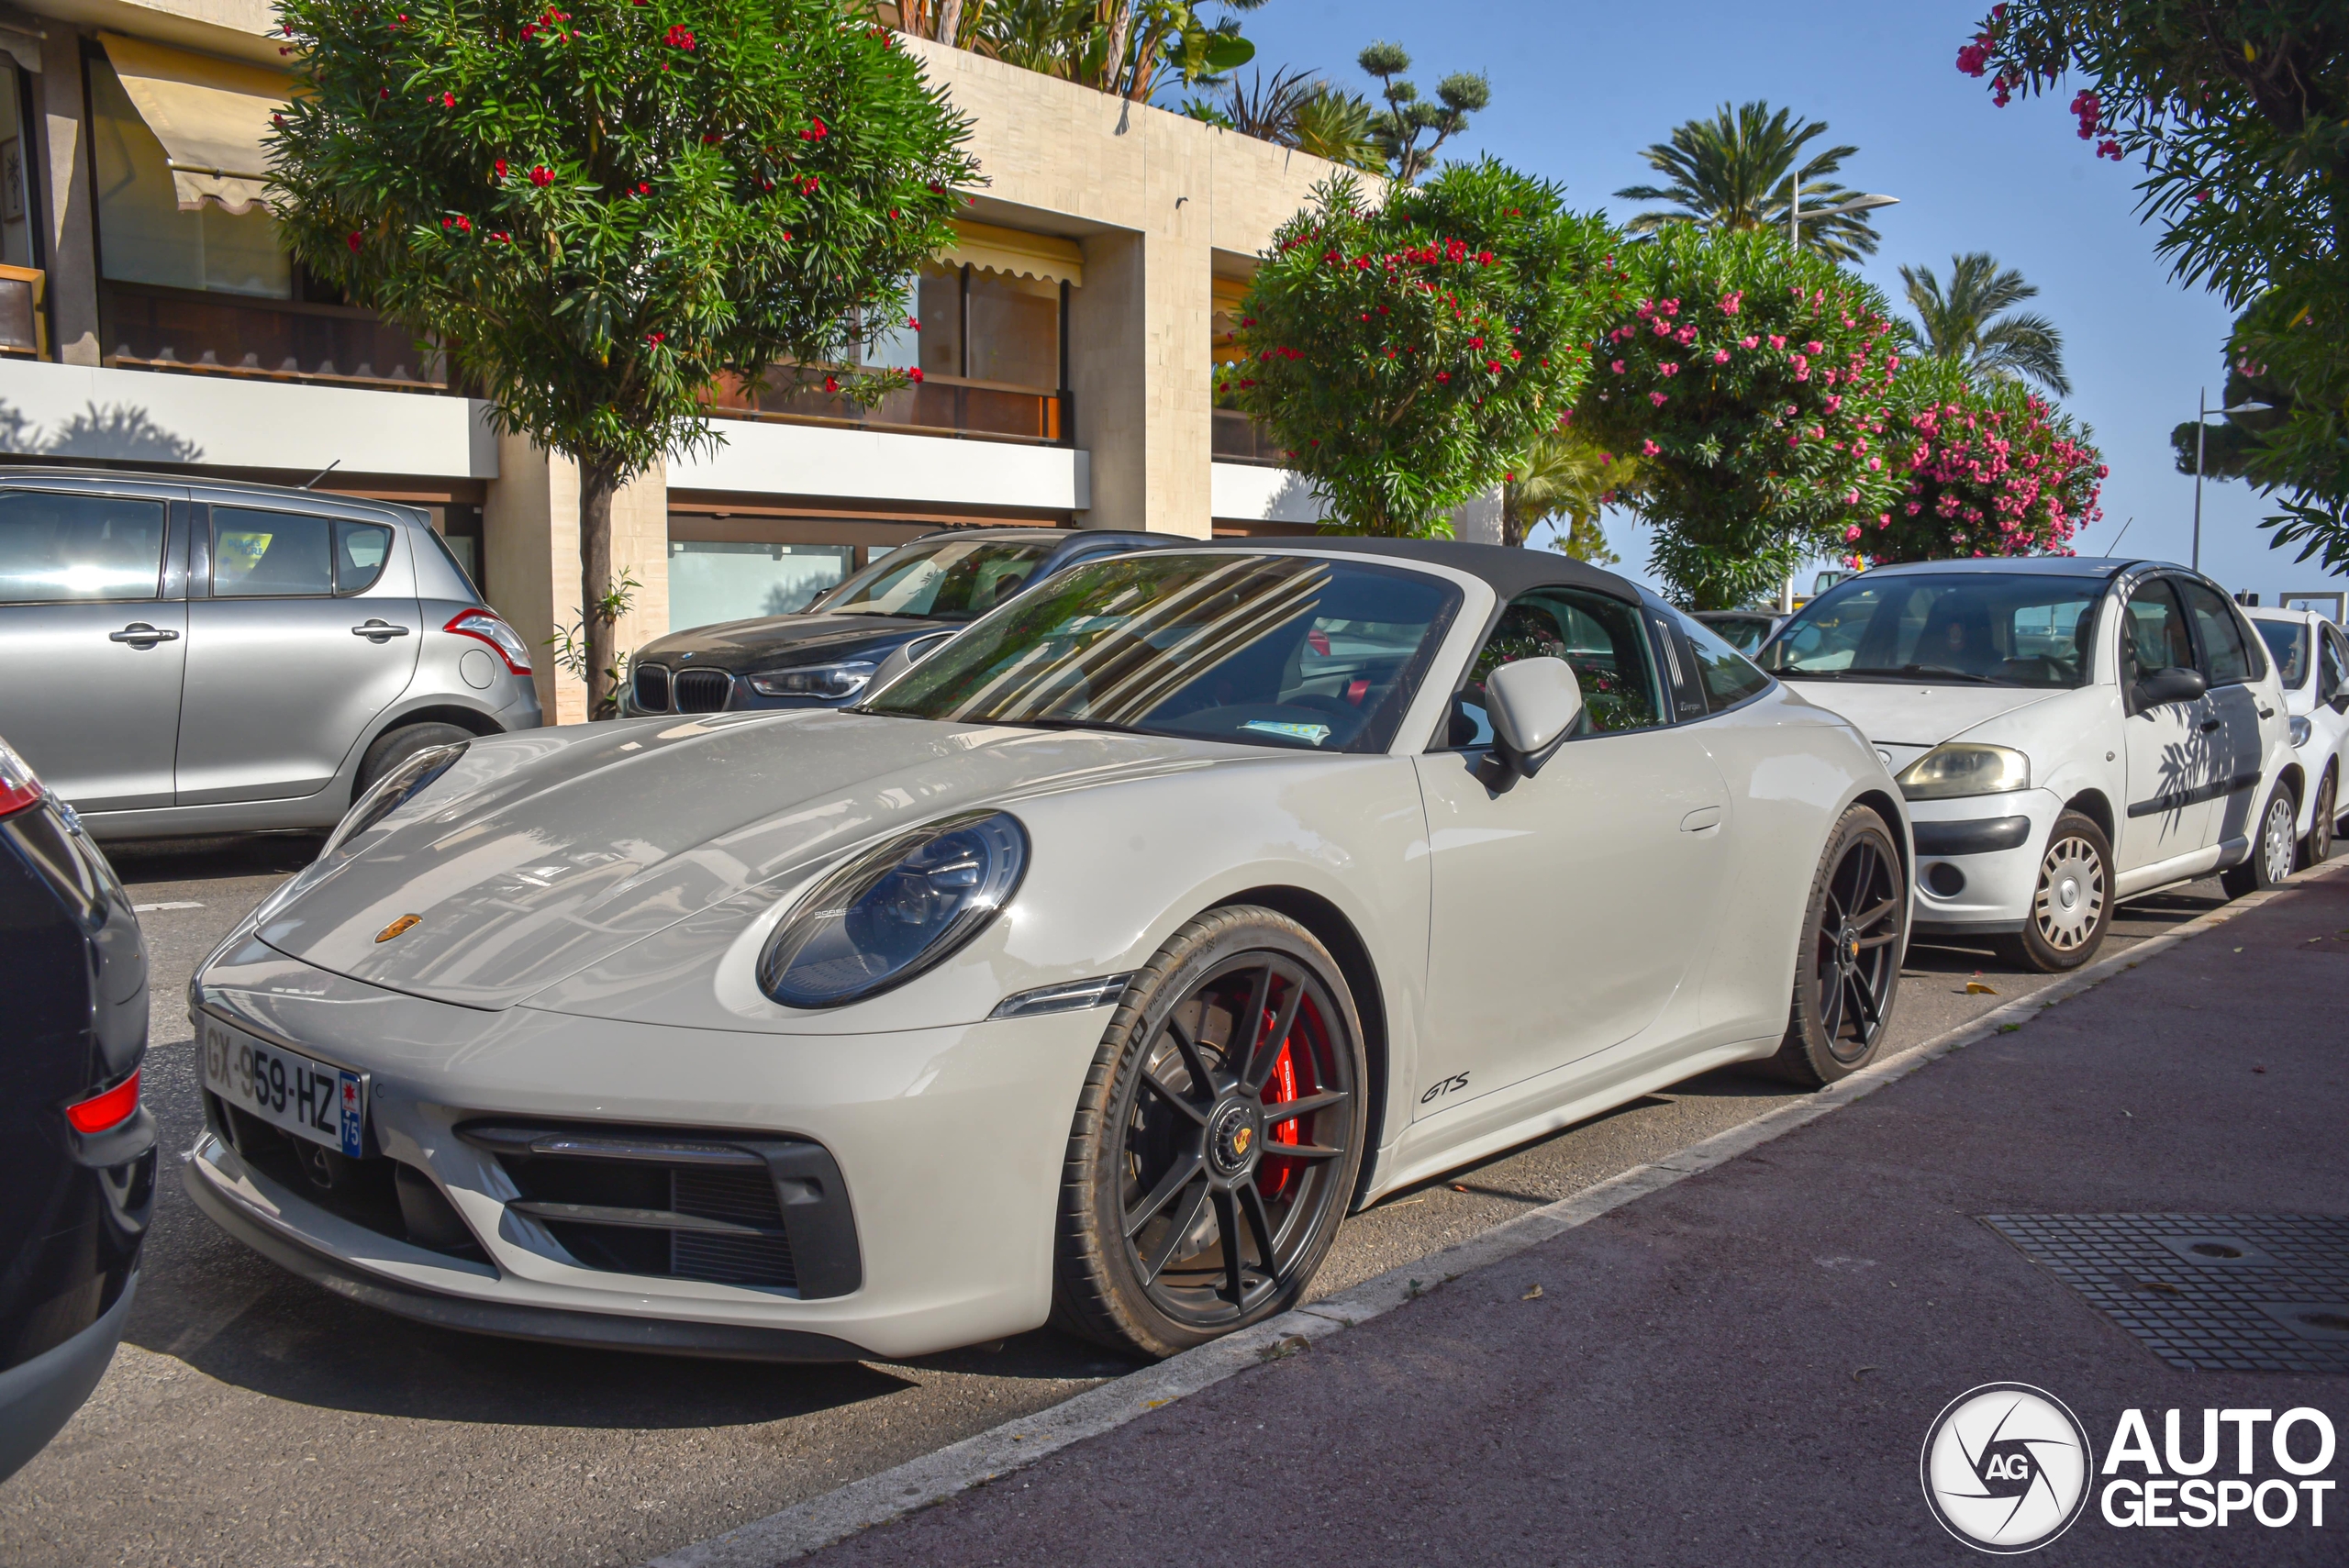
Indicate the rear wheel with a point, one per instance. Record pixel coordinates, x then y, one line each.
2274 847
397 746
2071 902
1848 967
2317 847
1217 1141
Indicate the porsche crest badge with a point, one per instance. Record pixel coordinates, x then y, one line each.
404 923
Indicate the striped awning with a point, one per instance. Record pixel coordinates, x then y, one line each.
211 115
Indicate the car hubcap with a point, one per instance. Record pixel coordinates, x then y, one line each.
2069 904
2278 844
1234 1138
2320 832
1859 938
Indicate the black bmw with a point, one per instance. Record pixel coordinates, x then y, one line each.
77 1149
826 655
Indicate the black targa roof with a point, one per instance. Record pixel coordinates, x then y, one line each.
1509 571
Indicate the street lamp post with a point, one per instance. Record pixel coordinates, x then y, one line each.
1794 214
2202 413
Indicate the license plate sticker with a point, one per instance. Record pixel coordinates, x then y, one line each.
285 1088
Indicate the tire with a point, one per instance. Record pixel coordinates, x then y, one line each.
1170 1152
1847 967
393 747
2071 900
2274 846
2317 847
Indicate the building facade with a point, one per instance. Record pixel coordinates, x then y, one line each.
150 319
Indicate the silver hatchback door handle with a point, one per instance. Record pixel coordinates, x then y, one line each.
376 631
145 635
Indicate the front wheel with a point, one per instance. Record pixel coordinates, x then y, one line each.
2273 850
397 746
1847 968
1217 1140
2317 847
2071 902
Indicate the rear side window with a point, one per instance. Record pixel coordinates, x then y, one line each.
65 548
1727 676
360 551
2229 661
260 554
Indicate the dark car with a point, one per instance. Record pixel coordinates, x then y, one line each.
1745 630
77 1149
825 655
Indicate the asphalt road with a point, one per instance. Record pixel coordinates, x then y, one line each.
251 1418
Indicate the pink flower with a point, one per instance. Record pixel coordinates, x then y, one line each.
1720 356
1748 342
1777 341
1811 348
1850 533
1617 367
1649 449
1656 398
1669 369
1732 302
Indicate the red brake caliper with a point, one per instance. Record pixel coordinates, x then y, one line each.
1280 1088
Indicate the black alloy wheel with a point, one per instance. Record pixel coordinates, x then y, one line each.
2317 847
1847 969
1216 1143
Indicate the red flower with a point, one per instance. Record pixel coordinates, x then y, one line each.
1483 258
541 176
448 100
278 119
642 189
818 131
384 93
656 337
678 37
356 241
914 375
501 236
831 385
913 323
500 167
1443 376
464 226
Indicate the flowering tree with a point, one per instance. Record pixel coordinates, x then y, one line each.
1407 356
1990 469
1752 381
600 211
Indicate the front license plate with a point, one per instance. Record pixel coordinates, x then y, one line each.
285 1088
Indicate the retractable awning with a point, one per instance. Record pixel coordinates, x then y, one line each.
210 114
1017 253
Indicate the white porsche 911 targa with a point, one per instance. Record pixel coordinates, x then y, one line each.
1091 971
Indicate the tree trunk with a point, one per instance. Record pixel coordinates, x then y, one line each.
598 611
1122 17
950 21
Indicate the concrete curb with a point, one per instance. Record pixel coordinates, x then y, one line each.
861 1505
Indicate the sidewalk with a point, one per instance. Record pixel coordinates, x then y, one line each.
1741 1368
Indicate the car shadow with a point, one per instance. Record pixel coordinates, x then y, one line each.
139 860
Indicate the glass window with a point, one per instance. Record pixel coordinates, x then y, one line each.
1015 331
1729 676
145 237
57 549
710 581
2158 638
1983 627
2228 661
1603 640
2332 669
952 579
360 551
260 554
1282 651
2288 641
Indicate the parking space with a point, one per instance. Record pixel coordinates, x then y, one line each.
258 1419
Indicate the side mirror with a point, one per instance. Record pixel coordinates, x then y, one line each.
2164 686
1533 705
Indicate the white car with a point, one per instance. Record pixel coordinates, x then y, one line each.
2068 733
2312 658
1093 969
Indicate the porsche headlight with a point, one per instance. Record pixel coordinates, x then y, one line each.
2301 730
388 793
894 911
1965 767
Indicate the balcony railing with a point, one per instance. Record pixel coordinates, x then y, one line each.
24 331
940 405
152 327
1239 439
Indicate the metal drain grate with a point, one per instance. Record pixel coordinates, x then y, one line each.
2209 1292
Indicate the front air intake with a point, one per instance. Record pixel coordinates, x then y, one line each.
652 689
702 691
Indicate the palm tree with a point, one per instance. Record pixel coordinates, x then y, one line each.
1738 170
1974 322
1564 474
1337 125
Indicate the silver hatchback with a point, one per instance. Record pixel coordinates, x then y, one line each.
191 657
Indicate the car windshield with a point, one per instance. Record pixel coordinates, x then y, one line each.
1975 627
2288 641
1295 651
1744 633
950 580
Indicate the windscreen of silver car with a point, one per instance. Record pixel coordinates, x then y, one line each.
1985 629
828 681
1960 768
406 779
894 911
953 580
2288 641
1289 651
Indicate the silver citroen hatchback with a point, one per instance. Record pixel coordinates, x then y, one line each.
185 656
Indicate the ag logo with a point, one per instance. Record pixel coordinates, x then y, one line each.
2005 1468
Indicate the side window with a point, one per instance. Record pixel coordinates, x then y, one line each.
2229 661
260 554
63 549
2156 637
1604 642
1727 676
360 551
2332 667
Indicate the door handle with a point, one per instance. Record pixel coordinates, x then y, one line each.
2210 724
1704 816
376 631
143 635
2266 712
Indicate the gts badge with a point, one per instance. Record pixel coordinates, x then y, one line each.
1443 1087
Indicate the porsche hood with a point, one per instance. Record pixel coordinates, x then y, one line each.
1917 713
540 855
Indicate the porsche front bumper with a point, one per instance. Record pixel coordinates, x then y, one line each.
948 1142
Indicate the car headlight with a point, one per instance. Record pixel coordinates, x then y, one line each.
2301 730
815 681
388 793
898 910
1965 767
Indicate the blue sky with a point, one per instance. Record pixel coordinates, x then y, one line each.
1580 88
